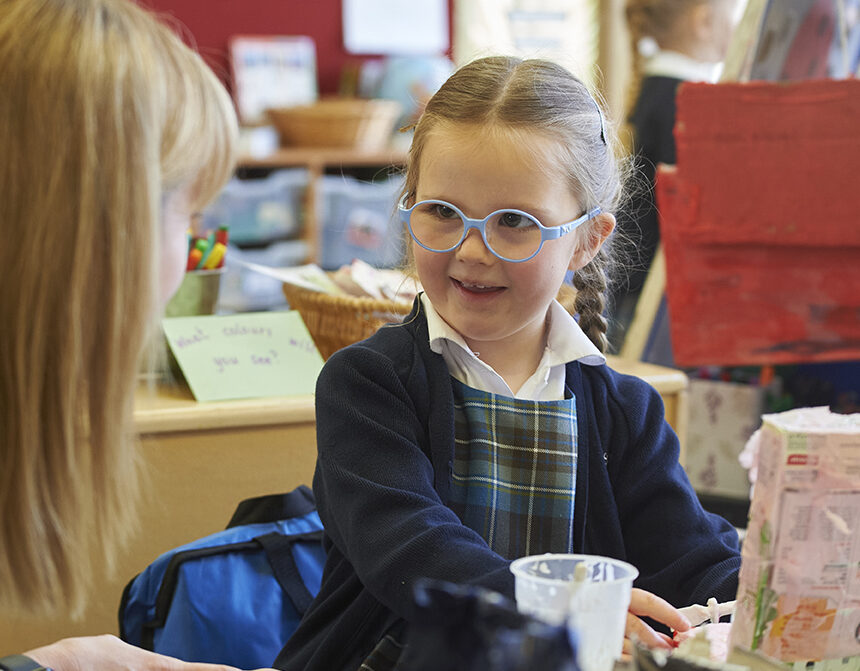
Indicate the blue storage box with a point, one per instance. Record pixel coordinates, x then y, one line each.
245 290
259 211
357 220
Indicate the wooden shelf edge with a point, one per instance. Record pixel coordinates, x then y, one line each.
325 156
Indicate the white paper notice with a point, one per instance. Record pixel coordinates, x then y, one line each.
395 26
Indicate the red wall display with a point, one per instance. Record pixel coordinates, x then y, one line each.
760 223
209 24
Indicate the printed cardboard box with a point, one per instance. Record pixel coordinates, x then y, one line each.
799 591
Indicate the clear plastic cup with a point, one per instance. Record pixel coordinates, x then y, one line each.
592 600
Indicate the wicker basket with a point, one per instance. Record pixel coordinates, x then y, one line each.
337 321
338 122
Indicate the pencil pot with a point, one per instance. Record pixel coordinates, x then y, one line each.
197 295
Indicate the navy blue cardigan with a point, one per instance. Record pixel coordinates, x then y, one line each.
385 434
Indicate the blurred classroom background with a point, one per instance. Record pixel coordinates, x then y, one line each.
323 90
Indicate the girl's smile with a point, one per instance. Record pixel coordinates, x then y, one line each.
469 287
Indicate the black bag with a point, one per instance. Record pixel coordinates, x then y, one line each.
462 628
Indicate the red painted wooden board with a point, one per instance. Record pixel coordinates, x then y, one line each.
760 223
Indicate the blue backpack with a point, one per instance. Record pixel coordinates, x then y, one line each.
233 597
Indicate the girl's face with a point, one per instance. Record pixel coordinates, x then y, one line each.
718 21
485 299
175 221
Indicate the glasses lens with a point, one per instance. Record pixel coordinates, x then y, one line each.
513 235
436 226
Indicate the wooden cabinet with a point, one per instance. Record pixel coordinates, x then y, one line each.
320 161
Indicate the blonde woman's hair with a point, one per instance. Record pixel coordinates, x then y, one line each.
538 96
103 110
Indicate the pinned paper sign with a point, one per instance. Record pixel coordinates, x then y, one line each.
244 356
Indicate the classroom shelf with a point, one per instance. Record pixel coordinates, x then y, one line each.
318 161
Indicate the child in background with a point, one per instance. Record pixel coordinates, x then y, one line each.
486 426
672 41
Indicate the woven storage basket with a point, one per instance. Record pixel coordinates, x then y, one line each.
337 321
338 122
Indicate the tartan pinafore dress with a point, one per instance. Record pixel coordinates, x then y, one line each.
514 475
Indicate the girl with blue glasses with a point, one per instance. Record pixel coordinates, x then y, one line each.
487 426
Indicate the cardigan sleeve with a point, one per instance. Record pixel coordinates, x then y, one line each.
683 553
374 485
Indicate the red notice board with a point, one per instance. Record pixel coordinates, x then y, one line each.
760 223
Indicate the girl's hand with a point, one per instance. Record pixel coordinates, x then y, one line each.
108 653
645 604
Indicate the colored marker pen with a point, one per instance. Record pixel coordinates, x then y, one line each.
207 249
216 256
194 257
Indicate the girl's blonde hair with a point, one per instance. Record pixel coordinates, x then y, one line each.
540 96
103 110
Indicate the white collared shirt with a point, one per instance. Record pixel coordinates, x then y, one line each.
680 66
565 342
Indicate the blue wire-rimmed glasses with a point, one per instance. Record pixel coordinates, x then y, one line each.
511 235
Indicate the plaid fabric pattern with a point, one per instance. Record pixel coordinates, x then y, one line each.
514 476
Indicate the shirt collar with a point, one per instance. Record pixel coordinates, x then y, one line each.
565 341
681 66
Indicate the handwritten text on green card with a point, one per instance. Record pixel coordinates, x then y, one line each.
244 356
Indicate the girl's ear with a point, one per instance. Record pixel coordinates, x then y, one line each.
600 229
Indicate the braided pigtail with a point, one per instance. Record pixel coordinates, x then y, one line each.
637 13
591 284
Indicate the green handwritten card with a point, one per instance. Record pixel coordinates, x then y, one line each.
249 355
